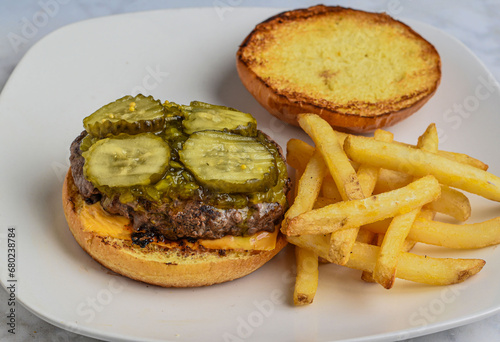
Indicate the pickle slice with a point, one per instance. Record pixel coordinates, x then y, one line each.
86 142
131 115
229 163
202 116
126 160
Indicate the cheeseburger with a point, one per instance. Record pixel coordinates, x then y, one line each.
175 195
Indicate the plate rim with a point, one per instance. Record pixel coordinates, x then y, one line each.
408 333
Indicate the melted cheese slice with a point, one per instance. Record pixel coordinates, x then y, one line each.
98 221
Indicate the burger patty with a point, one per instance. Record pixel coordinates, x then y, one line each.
180 218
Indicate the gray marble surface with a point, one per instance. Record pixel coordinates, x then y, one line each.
23 23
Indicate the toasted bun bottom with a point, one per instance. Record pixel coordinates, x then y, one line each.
168 267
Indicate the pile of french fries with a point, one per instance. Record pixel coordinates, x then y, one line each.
365 202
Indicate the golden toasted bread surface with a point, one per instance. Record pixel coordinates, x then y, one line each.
341 60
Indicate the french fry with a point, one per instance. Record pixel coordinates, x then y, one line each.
368 176
368 237
408 245
329 189
343 240
382 135
323 202
379 238
390 180
308 190
464 159
419 163
306 281
380 227
319 244
384 271
298 153
460 236
342 173
339 165
417 268
451 202
455 156
356 213
457 236
394 239
395 236
341 243
295 189
308 187
335 217
429 140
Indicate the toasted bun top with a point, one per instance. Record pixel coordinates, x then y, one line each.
347 64
153 264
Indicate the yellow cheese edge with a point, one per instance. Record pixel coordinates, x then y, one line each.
98 221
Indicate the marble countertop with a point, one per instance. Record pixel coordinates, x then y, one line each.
23 23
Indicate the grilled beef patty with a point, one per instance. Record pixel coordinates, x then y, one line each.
180 218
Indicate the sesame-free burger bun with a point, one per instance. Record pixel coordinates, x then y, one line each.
155 264
358 70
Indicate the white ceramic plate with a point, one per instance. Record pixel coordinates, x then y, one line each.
181 55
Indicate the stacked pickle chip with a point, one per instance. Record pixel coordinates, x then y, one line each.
139 147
